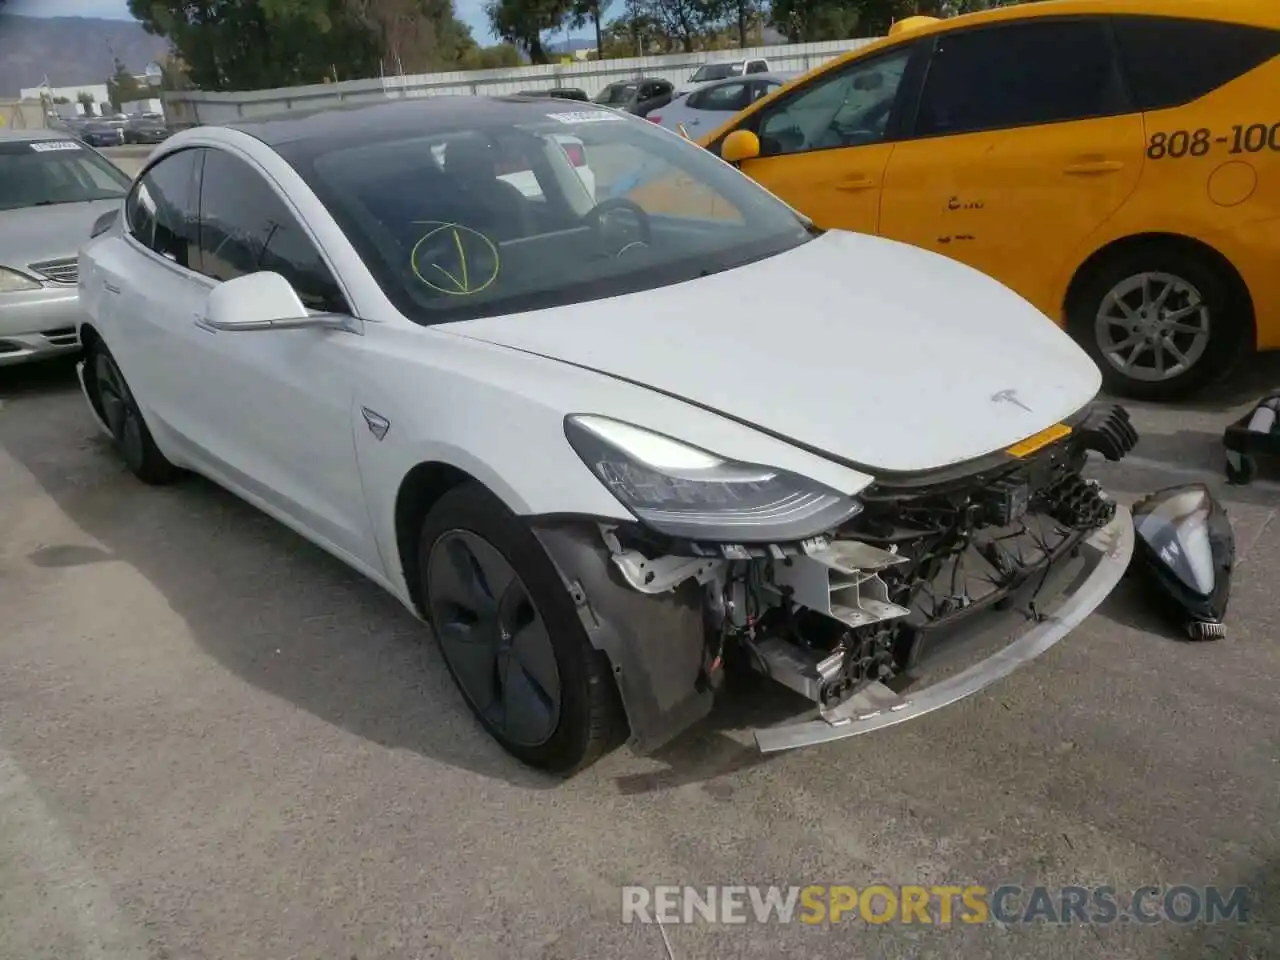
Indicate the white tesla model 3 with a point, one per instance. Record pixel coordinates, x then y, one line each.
617 449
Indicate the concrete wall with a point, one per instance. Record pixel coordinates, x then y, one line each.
195 106
21 115
97 90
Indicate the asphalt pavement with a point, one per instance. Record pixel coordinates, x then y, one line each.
216 742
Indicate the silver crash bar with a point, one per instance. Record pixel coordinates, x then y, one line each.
1107 550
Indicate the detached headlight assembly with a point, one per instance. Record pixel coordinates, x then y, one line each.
688 493
13 282
1187 550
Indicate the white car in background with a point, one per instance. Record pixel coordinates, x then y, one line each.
517 173
722 70
714 103
603 448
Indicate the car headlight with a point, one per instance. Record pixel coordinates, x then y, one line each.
12 282
689 493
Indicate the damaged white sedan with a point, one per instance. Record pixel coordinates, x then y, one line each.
613 439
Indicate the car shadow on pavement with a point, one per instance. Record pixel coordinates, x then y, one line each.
1248 382
267 605
33 379
284 616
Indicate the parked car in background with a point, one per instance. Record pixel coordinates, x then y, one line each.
100 133
517 168
53 189
1115 162
147 128
637 96
711 104
560 93
722 70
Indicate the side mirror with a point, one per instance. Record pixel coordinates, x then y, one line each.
740 145
261 301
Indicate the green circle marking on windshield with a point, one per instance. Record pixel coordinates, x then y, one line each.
454 260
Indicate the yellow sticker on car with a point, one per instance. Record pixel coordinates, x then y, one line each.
1038 441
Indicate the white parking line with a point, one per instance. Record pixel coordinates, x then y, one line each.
52 894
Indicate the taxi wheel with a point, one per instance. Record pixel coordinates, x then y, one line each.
1160 322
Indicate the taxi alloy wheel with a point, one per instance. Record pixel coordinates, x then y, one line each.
1153 326
1161 322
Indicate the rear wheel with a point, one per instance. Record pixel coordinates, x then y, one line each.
511 636
123 418
1161 322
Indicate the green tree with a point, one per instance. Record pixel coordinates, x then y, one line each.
248 44
590 11
416 36
684 21
523 22
123 88
86 101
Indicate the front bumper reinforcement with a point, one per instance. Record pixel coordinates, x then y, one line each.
1106 554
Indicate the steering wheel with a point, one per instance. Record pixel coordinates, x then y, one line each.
640 235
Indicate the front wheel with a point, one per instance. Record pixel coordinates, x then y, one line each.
1160 323
511 636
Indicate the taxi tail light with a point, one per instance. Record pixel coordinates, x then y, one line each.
576 153
654 118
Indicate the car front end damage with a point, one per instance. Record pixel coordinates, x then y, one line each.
930 589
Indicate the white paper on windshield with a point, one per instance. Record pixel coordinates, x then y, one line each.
48 146
586 116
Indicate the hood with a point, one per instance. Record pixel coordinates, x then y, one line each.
33 234
882 355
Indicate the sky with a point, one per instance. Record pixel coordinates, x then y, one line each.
470 12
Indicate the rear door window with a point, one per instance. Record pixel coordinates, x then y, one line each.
730 97
1170 62
1014 75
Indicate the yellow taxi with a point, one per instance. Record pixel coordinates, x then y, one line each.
1116 162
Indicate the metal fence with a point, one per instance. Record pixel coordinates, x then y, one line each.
195 106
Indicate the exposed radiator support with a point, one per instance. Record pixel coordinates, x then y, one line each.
841 581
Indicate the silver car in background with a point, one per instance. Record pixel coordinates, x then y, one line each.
53 189
705 108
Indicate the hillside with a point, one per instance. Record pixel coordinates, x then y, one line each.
70 50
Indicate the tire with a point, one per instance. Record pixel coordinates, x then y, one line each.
469 525
1202 320
120 412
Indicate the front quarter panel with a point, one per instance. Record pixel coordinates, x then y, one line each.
498 415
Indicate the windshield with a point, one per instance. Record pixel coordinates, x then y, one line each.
37 173
616 93
715 71
566 208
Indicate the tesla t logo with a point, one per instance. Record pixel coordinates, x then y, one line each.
1009 396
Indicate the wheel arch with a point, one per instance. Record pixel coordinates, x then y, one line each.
420 489
1125 246
90 338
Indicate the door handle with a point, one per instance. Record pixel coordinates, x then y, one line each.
1086 167
110 287
856 183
